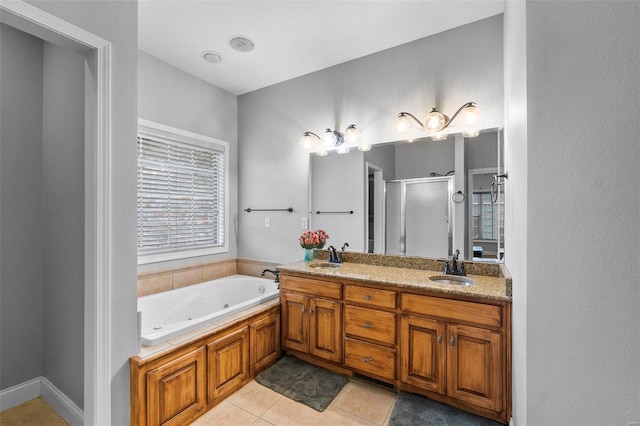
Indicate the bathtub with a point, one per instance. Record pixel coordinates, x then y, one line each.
171 313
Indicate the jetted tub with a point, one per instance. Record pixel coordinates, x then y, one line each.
171 313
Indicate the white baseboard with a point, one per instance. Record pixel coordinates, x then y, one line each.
19 394
40 386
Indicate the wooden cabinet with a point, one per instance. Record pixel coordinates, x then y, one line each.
370 331
176 390
228 360
265 343
455 349
451 350
176 384
474 367
423 352
312 317
312 325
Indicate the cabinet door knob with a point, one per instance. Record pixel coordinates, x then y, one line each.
310 311
367 297
439 339
367 325
452 341
367 359
303 309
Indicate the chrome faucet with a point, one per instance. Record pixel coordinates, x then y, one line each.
453 270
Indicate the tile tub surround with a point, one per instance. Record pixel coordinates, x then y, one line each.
170 279
405 277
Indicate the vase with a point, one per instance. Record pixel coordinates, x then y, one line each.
308 254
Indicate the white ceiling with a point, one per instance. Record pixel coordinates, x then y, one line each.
292 38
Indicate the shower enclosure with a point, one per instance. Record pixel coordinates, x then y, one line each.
419 217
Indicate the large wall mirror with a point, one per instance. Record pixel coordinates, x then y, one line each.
422 198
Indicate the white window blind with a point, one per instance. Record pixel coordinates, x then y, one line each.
181 196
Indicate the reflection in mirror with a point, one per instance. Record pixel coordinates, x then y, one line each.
485 216
400 194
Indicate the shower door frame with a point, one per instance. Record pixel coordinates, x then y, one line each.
403 201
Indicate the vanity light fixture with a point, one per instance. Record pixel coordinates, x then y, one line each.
435 121
331 139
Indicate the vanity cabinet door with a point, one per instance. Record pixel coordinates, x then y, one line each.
325 321
176 390
423 354
295 321
474 366
228 360
265 343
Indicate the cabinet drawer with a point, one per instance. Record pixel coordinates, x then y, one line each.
370 296
453 310
370 324
370 358
311 286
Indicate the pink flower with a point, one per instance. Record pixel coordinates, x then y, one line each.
311 239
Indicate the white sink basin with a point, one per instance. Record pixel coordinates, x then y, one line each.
451 280
320 264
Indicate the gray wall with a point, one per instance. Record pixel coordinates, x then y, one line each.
117 22
43 214
419 159
482 151
383 156
447 70
63 219
170 96
338 184
21 255
576 359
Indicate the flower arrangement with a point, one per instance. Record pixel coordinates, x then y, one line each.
311 240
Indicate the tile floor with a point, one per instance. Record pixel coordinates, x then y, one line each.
358 403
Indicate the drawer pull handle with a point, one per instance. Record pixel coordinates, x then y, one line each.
367 297
367 325
439 339
452 341
367 359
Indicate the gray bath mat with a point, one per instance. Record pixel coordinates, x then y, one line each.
411 409
302 382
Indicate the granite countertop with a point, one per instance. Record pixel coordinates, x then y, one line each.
484 287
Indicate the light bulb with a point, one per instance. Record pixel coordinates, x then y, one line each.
364 147
472 133
402 123
329 138
352 135
342 149
322 153
435 121
307 141
439 137
470 116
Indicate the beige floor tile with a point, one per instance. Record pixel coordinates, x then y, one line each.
287 412
254 398
225 414
261 422
334 416
366 401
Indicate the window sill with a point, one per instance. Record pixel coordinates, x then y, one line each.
165 257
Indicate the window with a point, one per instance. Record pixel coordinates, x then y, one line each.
488 218
182 194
